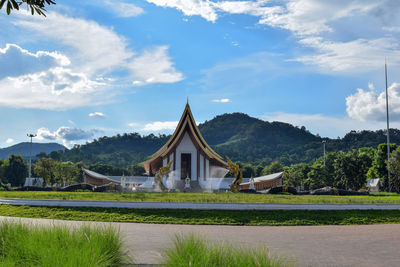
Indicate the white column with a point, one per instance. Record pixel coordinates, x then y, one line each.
201 167
207 168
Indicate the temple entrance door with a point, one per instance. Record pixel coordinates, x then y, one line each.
186 165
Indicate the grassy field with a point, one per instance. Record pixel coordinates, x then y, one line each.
197 252
212 217
207 197
28 245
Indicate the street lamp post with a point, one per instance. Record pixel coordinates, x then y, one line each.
323 145
30 154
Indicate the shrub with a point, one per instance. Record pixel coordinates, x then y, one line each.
196 252
28 245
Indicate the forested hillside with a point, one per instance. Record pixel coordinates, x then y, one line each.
236 135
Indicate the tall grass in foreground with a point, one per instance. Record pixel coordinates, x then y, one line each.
196 252
29 245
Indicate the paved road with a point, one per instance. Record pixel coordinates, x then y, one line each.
364 245
196 206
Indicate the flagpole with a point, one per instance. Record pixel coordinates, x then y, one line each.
387 127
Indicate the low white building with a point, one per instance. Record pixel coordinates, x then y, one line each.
373 185
37 181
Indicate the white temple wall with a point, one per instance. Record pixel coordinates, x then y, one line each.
186 146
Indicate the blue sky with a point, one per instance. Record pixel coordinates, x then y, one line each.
107 66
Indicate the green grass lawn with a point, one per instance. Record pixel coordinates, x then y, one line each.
212 217
28 245
207 197
197 252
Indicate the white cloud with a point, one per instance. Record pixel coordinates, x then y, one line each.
65 134
371 106
326 126
99 50
9 140
97 115
154 66
160 126
303 17
357 56
317 24
222 100
310 17
95 47
204 9
391 29
15 61
123 9
133 124
51 80
57 89
371 86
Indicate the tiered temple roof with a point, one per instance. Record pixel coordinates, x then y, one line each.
188 125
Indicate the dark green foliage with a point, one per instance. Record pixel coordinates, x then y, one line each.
15 170
119 151
379 165
35 6
394 167
248 139
274 167
351 170
136 170
296 175
63 173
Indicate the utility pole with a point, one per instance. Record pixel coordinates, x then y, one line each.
387 127
323 145
30 154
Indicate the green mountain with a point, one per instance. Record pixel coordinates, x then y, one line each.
24 149
237 135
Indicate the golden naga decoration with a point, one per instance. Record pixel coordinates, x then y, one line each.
234 168
160 174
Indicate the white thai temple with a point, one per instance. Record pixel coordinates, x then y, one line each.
191 156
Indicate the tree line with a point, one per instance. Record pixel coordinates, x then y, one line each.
14 170
343 170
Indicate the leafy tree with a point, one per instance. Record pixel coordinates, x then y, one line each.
316 178
274 167
136 170
2 171
394 168
66 173
45 168
16 170
379 166
296 174
246 169
351 170
258 170
35 6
